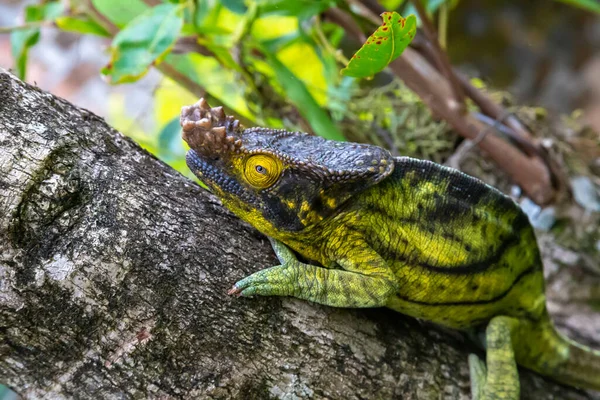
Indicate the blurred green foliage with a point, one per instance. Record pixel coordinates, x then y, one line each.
271 62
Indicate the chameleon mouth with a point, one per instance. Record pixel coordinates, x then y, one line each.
215 178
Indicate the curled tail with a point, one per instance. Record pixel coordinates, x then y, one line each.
548 352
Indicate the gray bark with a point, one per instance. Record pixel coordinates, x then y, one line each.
113 277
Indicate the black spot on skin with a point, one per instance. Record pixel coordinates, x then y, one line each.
280 215
468 247
318 205
474 287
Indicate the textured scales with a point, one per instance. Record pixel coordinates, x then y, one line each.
425 240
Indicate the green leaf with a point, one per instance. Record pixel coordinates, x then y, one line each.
302 9
306 104
21 40
383 46
169 134
235 6
145 41
590 5
206 14
82 25
120 12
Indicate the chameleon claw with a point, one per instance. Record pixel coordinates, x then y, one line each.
235 291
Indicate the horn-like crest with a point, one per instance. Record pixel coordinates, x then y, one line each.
209 131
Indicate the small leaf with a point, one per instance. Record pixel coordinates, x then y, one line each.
235 6
383 46
143 42
21 40
169 134
302 9
120 12
82 25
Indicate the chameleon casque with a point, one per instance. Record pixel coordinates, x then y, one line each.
422 239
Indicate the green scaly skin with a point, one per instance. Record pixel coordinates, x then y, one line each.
425 240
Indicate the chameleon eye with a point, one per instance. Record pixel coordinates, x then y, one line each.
262 170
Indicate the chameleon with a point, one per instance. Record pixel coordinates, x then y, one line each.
353 226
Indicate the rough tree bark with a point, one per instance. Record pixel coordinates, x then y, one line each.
113 273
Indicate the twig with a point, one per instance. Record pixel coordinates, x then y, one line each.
344 20
183 80
435 90
465 147
29 25
366 10
339 56
528 172
100 18
441 57
443 25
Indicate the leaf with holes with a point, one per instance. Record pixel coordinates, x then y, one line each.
145 41
383 46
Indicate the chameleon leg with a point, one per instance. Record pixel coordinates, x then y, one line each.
501 380
332 287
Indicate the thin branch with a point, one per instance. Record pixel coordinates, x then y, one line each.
443 62
443 25
529 173
322 39
100 18
29 25
435 90
366 10
339 17
183 80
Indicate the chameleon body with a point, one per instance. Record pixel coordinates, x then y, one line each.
378 231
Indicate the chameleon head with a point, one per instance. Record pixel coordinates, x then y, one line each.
276 180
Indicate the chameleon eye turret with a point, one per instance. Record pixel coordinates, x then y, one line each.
422 239
262 170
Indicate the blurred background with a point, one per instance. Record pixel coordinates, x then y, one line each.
276 63
542 53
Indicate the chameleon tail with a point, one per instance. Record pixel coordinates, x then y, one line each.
582 366
550 353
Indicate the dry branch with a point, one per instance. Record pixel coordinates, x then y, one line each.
113 273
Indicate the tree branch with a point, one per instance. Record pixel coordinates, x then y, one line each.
113 273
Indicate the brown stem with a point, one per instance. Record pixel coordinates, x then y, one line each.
435 90
339 17
183 80
529 173
100 18
441 57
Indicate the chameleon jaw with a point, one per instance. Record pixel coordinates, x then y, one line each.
215 178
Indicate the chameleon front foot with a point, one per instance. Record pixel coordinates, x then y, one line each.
275 281
333 287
